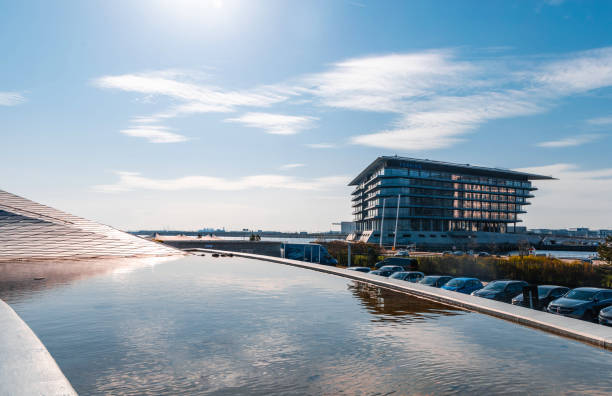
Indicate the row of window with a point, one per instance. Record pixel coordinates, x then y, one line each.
433 212
450 176
408 193
432 225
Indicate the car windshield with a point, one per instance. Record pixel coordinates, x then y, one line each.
584 295
398 275
544 290
429 280
455 283
495 286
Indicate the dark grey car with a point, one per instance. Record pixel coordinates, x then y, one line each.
546 293
582 303
501 290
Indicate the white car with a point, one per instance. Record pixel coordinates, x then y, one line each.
402 253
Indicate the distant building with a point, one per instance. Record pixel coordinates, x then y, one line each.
431 199
347 227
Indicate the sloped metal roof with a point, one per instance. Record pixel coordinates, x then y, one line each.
29 230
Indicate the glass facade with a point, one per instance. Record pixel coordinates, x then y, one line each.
432 196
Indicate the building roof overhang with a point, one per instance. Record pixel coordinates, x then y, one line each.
450 166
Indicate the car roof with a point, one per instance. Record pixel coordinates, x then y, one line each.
590 288
508 281
553 287
462 278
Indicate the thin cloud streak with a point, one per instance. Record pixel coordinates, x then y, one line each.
275 124
321 145
571 141
600 121
129 181
194 97
154 134
11 98
291 166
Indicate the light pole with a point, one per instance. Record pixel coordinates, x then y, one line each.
396 219
349 254
382 222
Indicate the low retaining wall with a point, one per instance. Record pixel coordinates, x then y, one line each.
567 327
26 367
266 248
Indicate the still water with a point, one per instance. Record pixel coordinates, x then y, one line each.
203 325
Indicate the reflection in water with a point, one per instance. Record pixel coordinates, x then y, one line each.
199 325
392 306
20 279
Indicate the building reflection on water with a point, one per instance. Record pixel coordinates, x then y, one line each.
392 306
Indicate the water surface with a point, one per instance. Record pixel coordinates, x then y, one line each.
203 325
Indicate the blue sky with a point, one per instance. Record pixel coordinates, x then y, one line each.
184 114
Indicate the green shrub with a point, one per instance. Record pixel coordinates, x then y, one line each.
541 270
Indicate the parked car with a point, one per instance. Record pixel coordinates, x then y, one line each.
605 316
463 285
359 269
310 252
382 272
459 253
447 253
402 253
484 254
546 293
409 276
408 264
435 280
393 268
582 303
501 290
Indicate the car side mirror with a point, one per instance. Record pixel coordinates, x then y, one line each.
595 299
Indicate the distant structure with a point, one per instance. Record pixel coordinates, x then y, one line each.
31 231
347 227
438 203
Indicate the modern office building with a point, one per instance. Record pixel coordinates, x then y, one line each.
438 203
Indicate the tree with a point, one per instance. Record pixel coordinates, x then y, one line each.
523 247
605 250
372 256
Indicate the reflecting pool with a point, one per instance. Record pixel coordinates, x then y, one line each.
203 325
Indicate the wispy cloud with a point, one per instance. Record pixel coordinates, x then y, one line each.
11 98
134 181
570 141
276 124
437 96
382 83
577 72
291 166
154 134
440 98
321 145
600 121
192 96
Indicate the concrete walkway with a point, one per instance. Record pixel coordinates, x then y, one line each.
26 367
567 327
